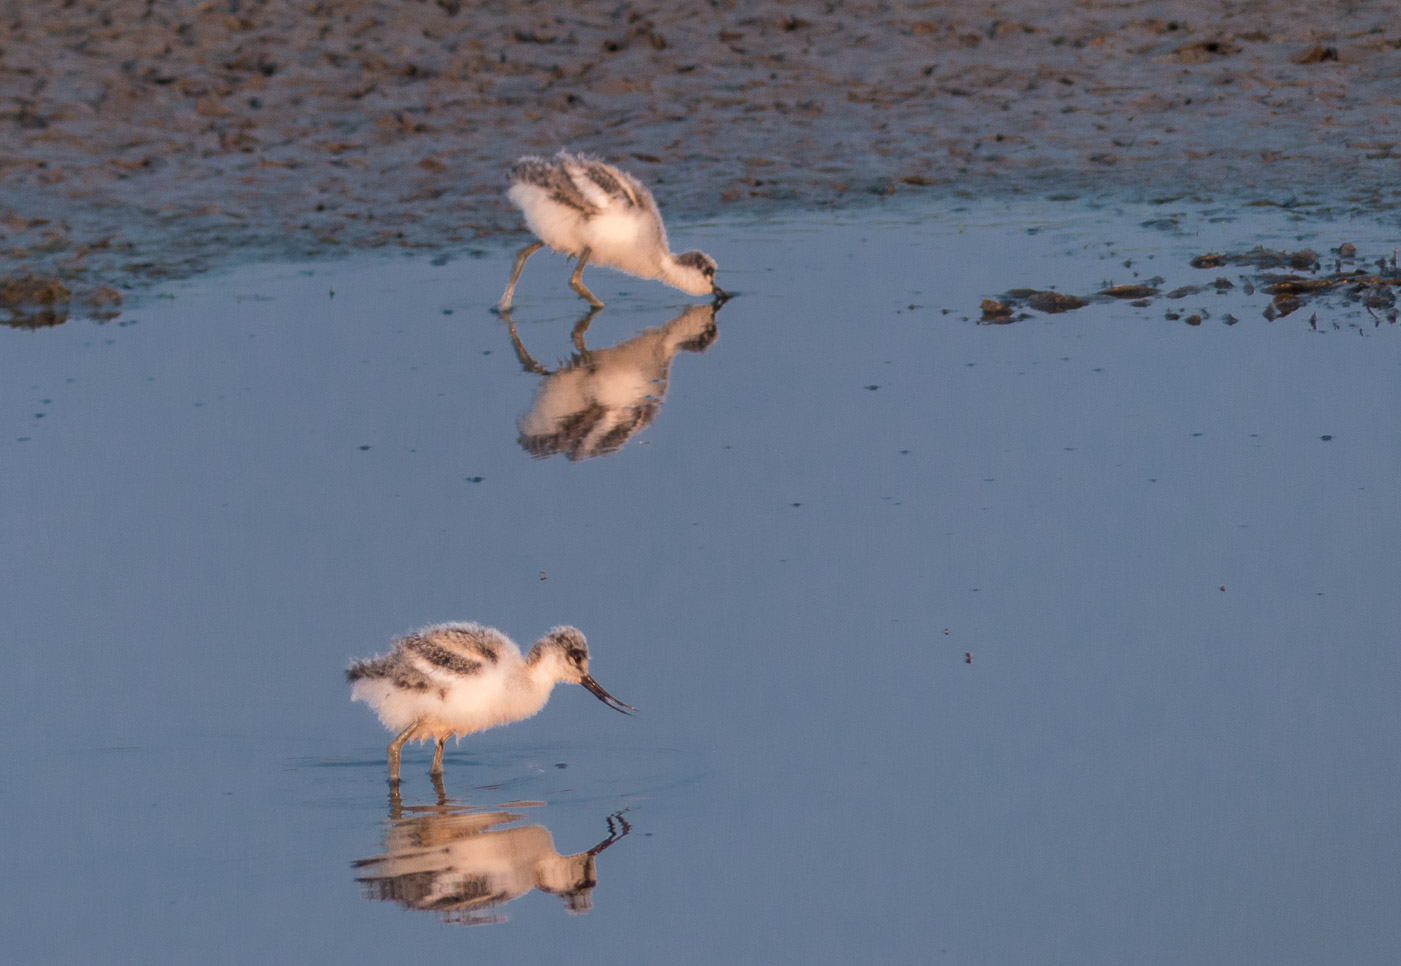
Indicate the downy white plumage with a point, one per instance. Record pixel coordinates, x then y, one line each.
455 679
592 211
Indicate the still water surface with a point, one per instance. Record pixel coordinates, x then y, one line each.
1067 641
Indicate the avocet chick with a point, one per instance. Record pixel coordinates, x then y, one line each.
589 210
456 679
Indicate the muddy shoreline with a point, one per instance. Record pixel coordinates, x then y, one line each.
150 140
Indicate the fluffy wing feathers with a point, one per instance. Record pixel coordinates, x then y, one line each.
585 184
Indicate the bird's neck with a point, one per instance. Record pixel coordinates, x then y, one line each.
670 272
543 673
685 278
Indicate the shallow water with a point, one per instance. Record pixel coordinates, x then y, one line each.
1064 641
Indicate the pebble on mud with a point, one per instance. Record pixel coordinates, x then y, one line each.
102 296
34 301
1316 54
1055 302
994 310
1290 285
32 290
1205 50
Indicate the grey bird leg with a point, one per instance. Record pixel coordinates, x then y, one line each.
521 256
438 788
394 747
436 769
578 286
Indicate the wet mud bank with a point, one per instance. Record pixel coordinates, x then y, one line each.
145 140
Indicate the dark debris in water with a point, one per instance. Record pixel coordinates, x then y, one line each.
38 301
1261 257
998 313
1347 285
1052 302
34 301
1130 291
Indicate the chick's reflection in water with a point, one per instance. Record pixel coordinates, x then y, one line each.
464 866
601 398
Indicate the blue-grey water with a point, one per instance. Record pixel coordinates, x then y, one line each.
1066 641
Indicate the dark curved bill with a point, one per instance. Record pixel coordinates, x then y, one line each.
604 696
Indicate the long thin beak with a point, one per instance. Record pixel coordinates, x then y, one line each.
721 296
604 696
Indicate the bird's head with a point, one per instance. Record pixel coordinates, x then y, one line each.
564 655
696 274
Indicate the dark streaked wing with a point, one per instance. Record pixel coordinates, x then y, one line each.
440 656
552 179
472 641
613 182
393 667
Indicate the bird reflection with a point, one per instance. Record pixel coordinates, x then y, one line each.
601 398
462 865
